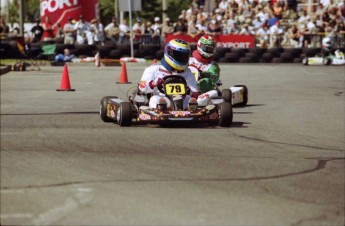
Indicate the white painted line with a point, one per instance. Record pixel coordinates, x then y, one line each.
54 214
311 73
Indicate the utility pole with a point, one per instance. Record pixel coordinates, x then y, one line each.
116 9
164 8
21 18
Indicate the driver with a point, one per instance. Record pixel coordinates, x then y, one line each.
175 61
327 47
203 61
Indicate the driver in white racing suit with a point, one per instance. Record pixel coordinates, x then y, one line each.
174 62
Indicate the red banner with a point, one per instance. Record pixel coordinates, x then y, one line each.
229 41
58 11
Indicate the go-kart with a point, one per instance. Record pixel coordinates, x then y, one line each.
237 95
137 110
336 59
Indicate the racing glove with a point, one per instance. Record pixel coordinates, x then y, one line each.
157 82
192 94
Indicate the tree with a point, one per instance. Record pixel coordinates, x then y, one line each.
175 7
106 10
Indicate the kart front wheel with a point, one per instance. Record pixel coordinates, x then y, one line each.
225 114
103 108
124 114
227 95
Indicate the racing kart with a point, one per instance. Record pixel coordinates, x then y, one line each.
236 95
337 59
137 109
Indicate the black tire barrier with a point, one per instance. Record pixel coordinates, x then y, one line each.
310 52
286 57
246 60
276 51
296 52
267 57
115 54
240 51
222 51
276 60
84 49
258 51
232 57
223 60
61 47
297 60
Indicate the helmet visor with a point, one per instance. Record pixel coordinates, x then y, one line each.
180 56
207 48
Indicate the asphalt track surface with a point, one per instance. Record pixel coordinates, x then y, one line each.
281 162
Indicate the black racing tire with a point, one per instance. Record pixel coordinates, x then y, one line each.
245 95
225 114
103 109
124 114
305 61
227 95
326 61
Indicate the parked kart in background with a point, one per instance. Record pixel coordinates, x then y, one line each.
337 59
137 110
236 95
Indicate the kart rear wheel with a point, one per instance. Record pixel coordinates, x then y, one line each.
103 109
124 114
305 61
225 114
245 95
327 61
227 95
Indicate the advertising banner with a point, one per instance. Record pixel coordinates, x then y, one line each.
229 41
58 11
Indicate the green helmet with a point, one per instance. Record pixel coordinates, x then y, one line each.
206 46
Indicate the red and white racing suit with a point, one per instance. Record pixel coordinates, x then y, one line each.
153 72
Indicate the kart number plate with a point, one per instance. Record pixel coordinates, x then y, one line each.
175 89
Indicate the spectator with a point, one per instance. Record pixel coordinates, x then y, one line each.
112 31
138 29
180 27
37 32
166 29
97 31
59 34
69 32
84 34
295 37
276 34
4 29
124 31
48 34
262 34
193 30
214 28
157 26
65 57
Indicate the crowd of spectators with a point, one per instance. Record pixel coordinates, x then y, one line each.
274 23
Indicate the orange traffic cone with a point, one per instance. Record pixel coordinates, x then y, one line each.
123 76
65 84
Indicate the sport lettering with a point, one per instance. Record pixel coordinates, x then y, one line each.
54 5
